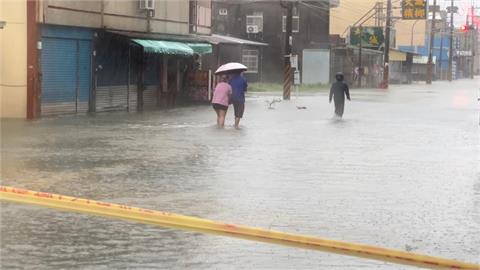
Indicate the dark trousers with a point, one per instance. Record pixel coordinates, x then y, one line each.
339 107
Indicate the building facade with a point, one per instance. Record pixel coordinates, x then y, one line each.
349 12
264 21
13 59
102 55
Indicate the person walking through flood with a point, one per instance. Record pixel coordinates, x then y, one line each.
239 87
221 100
338 91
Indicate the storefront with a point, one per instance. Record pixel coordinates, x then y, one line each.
231 49
345 59
420 67
401 64
138 73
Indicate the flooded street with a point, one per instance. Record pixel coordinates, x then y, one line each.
401 170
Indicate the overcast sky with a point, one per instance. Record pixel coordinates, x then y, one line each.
463 6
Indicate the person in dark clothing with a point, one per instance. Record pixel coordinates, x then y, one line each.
338 91
239 87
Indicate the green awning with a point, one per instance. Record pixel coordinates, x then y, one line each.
201 48
164 47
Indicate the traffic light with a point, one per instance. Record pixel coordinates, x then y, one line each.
465 28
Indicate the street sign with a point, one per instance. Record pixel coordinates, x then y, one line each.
434 8
464 53
371 36
452 9
296 77
294 61
414 9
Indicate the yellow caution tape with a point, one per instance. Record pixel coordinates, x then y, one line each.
170 220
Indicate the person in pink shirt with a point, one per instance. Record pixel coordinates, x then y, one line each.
220 100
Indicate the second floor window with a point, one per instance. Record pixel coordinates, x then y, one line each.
254 23
295 24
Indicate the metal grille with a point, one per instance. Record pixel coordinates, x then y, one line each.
295 24
150 97
111 98
255 20
250 59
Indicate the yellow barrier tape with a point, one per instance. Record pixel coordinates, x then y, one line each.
170 220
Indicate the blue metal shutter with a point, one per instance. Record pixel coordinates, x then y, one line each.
59 63
66 69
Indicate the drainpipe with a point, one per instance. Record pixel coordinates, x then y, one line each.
128 78
149 23
102 11
33 92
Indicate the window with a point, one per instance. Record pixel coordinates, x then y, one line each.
147 4
295 24
250 59
255 22
223 11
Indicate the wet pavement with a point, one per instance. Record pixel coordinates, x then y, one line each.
401 170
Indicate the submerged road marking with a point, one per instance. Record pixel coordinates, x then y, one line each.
171 220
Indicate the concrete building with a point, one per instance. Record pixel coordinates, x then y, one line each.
349 12
99 55
264 22
13 59
405 33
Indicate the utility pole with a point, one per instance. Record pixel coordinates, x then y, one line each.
450 49
430 49
441 56
386 49
468 40
473 33
33 86
360 68
287 68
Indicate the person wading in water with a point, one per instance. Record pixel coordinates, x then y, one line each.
221 99
338 91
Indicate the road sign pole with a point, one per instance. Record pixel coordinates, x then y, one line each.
430 49
386 57
450 48
287 69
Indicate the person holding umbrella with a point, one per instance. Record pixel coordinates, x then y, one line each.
239 87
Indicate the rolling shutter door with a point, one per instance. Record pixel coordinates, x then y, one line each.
115 98
151 82
111 98
66 80
59 62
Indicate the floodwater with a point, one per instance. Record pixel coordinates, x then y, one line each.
401 170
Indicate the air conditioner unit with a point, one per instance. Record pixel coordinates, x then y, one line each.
252 29
223 11
146 4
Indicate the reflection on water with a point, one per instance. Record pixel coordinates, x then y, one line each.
400 170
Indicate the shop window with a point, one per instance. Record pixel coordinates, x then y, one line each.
250 59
